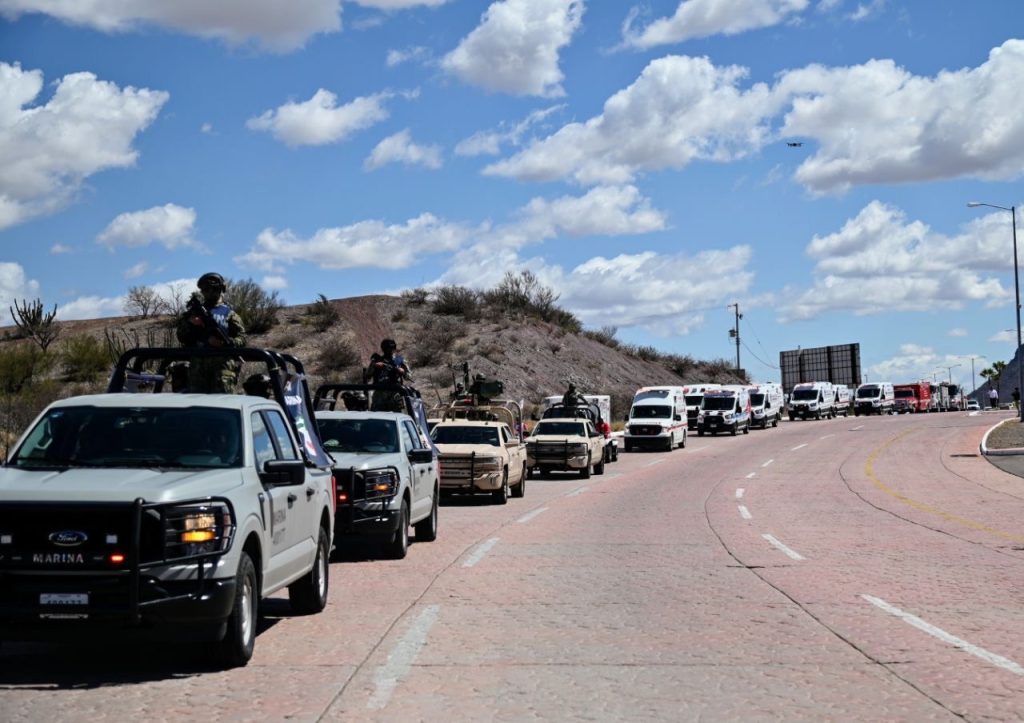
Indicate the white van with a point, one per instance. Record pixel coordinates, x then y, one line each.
657 418
875 398
844 399
766 404
694 394
812 400
725 410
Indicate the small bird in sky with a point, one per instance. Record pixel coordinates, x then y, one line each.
794 144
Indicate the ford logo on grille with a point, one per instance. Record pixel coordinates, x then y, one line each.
68 538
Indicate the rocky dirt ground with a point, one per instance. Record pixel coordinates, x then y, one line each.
533 358
1008 435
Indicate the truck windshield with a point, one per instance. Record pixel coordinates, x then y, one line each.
560 429
693 400
805 395
446 434
757 400
904 393
718 403
134 438
868 392
360 436
651 411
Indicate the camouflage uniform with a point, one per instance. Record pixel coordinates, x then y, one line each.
395 371
215 375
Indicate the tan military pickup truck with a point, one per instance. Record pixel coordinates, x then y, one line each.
565 445
481 451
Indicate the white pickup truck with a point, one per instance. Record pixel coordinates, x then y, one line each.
163 512
386 470
480 451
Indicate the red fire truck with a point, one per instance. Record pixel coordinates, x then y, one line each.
911 398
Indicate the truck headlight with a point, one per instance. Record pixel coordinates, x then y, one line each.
198 530
380 483
579 447
488 463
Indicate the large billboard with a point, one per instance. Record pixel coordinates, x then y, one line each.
839 364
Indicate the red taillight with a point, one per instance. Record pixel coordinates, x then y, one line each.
116 558
334 490
341 497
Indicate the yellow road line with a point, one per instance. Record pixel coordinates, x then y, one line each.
869 470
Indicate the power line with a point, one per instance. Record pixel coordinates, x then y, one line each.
767 364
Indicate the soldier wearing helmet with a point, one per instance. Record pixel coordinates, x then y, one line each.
387 369
208 322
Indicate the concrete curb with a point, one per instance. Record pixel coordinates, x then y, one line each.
999 452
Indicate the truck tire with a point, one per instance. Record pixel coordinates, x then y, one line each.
500 495
682 445
308 594
235 648
599 467
585 472
398 546
520 489
735 428
746 428
629 446
426 529
700 432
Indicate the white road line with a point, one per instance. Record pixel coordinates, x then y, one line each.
386 679
480 551
767 463
530 515
799 446
945 637
827 436
739 493
651 464
854 429
580 491
745 513
778 545
752 475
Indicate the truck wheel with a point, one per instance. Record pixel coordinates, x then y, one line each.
500 495
629 446
734 429
235 648
308 594
398 546
520 489
426 529
599 467
682 445
700 432
585 472
746 428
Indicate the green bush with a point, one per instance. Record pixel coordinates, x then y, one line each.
416 297
257 308
336 354
322 314
84 358
18 409
456 301
20 364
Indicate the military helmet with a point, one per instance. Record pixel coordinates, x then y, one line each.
211 280
388 345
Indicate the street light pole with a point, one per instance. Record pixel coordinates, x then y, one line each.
1016 288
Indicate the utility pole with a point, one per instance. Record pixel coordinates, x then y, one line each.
974 379
735 333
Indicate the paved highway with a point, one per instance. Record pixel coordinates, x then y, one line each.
861 568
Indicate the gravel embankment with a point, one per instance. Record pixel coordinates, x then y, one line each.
1009 435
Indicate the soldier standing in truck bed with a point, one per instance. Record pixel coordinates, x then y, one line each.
387 369
208 322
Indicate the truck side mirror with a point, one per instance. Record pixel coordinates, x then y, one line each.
284 472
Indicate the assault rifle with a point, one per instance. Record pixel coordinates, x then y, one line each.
196 308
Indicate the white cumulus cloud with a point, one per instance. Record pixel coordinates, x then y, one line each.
399 148
515 49
957 332
1005 335
399 4
490 142
48 149
15 286
703 18
274 24
880 262
874 123
169 225
320 120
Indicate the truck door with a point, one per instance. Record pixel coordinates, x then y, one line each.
421 478
281 506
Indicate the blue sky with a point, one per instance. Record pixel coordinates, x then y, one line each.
634 156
